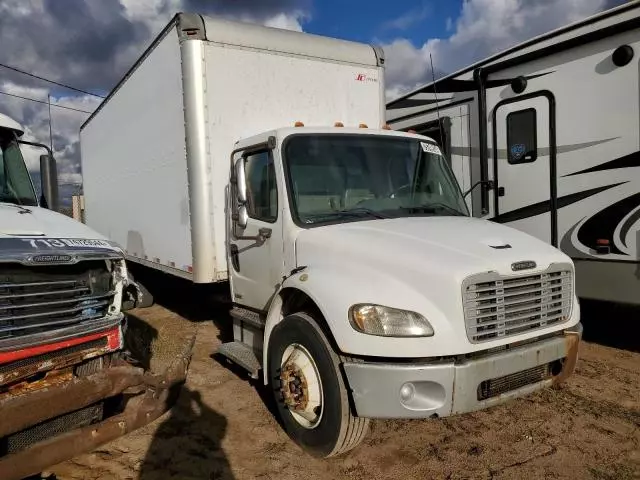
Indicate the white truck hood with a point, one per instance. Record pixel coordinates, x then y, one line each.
456 246
417 264
18 221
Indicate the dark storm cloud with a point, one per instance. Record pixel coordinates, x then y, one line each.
91 44
73 41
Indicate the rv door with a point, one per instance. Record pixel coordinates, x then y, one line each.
524 165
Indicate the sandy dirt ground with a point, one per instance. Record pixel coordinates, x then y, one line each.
222 429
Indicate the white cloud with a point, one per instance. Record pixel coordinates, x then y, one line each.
484 27
286 21
35 119
91 45
449 24
408 19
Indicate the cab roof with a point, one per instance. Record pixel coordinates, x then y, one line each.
9 123
281 133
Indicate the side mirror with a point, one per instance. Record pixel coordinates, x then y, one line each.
242 218
241 182
241 215
49 182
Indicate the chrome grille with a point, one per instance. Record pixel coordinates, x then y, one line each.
41 299
500 306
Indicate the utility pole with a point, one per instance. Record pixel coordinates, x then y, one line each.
50 129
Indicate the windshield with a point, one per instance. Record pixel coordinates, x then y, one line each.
15 182
335 178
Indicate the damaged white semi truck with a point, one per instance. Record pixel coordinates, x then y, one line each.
71 378
362 288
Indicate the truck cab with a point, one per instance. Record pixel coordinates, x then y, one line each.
260 163
64 360
359 276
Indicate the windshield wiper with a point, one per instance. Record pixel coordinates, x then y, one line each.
362 211
351 212
433 208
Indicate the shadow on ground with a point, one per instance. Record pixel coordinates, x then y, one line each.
187 443
611 325
196 302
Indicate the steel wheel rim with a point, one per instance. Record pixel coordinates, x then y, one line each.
301 386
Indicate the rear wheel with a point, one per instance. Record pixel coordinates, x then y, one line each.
311 395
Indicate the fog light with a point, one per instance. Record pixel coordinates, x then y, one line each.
407 391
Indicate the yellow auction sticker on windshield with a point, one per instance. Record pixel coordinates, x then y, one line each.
430 148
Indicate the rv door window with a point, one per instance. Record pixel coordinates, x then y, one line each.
262 192
521 136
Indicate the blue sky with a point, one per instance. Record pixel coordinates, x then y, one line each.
380 20
90 44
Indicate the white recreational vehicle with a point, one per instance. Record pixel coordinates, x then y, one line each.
549 133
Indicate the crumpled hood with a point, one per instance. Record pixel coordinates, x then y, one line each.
450 246
17 221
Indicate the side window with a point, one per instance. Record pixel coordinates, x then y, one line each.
522 144
262 192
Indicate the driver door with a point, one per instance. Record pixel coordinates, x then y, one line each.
255 266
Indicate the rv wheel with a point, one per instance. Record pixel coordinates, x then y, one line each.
310 392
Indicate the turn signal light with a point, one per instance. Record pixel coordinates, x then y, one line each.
386 127
298 124
338 124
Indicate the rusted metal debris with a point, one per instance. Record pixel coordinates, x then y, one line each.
572 344
12 373
149 394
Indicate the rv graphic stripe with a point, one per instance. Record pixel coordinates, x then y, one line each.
627 161
624 230
545 206
452 85
604 223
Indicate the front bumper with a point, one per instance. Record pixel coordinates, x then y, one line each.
388 390
72 410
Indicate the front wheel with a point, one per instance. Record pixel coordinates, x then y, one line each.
311 396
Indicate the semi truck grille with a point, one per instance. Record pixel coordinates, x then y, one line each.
51 428
41 299
496 307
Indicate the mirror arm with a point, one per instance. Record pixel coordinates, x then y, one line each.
489 183
263 235
35 144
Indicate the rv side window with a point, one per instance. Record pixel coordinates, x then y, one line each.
262 193
521 136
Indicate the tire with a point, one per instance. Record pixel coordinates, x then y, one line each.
333 429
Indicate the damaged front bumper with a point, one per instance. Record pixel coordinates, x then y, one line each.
454 386
63 415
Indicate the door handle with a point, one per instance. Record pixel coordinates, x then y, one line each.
501 191
235 257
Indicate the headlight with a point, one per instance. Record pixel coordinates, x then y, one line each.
389 322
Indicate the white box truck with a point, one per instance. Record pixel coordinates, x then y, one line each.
362 286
